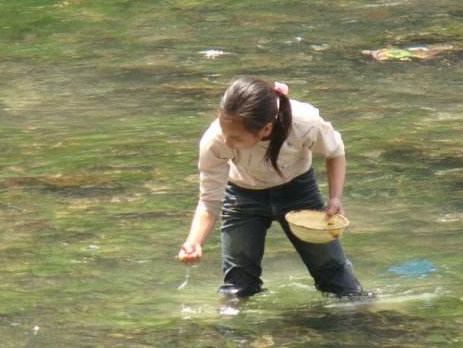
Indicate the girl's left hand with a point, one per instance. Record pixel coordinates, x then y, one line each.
334 207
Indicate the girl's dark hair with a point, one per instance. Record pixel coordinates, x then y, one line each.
256 103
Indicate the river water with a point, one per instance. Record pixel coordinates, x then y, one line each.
101 108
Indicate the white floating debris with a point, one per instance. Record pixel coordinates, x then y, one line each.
320 48
296 40
116 200
448 171
36 329
450 217
229 310
212 54
189 312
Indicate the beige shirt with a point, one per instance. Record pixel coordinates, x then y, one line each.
248 168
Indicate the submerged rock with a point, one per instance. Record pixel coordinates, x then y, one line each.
424 52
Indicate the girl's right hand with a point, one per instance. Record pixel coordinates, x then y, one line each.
190 252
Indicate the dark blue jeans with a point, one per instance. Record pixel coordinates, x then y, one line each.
247 215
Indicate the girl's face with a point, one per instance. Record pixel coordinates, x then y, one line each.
237 137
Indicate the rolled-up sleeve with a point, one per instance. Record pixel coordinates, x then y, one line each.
325 139
213 173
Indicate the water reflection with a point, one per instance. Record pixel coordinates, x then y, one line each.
101 109
330 323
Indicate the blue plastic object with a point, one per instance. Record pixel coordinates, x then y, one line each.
413 269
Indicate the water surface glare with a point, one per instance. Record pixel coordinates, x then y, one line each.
101 108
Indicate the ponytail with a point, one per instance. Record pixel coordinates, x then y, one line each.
281 128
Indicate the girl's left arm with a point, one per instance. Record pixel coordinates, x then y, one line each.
336 171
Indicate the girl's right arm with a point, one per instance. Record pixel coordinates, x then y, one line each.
214 168
202 225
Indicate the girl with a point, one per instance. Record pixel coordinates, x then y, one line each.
256 157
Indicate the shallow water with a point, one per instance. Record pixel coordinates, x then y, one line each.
101 108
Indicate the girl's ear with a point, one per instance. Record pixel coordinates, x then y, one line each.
267 130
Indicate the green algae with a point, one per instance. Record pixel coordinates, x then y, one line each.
101 108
